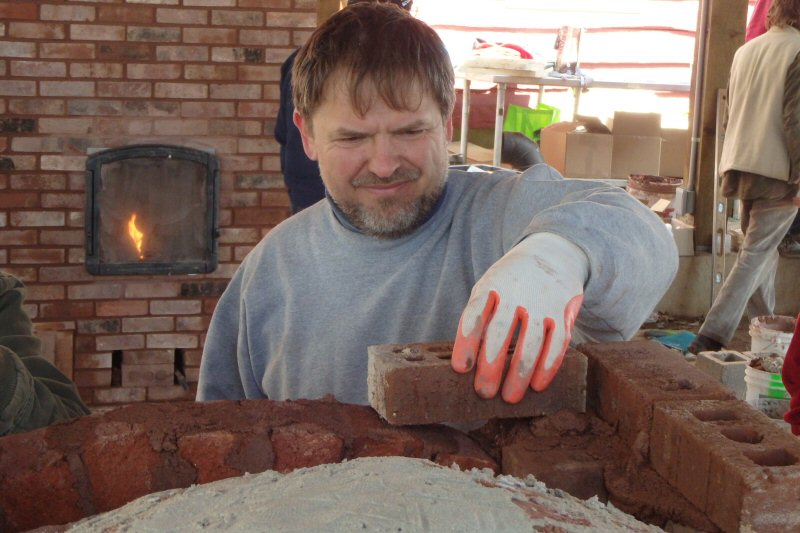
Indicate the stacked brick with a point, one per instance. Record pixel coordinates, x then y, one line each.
88 74
731 462
68 471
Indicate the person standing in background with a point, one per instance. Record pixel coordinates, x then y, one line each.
301 174
760 164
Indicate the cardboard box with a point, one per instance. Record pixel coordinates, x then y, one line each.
575 153
635 154
633 147
589 155
641 124
674 153
684 236
637 144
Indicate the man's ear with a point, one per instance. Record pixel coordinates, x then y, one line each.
306 135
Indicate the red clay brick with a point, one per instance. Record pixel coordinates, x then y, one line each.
66 50
160 375
92 378
731 461
406 384
148 357
571 470
120 451
182 16
626 379
118 395
305 445
207 452
131 14
46 489
171 393
36 30
18 11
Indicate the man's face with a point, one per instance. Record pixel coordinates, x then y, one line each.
386 169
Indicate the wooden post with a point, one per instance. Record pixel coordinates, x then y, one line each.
326 8
726 28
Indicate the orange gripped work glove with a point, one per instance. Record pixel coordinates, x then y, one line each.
537 288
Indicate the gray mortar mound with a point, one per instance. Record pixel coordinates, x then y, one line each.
369 494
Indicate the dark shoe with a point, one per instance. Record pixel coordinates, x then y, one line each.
701 343
789 246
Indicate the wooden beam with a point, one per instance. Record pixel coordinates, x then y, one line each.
726 28
326 8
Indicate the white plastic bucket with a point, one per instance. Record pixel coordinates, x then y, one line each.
766 392
771 333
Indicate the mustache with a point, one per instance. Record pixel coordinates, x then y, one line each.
399 175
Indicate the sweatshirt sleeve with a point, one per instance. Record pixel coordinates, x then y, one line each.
632 256
220 378
33 392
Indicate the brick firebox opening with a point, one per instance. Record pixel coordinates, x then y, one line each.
151 209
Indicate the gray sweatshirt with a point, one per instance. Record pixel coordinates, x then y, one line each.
300 312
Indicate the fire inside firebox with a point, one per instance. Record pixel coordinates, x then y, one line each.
151 209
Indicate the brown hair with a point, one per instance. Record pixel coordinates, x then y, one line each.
784 13
380 44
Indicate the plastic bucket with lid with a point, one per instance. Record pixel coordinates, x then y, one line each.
771 333
766 392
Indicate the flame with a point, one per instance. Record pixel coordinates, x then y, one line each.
136 235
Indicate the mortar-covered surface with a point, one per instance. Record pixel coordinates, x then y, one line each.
368 494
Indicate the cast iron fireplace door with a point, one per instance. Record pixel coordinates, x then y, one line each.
151 209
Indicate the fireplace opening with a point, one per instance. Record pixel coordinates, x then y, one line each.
151 209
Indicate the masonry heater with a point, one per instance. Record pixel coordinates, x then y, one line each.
151 209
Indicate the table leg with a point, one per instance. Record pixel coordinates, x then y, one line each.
498 124
465 120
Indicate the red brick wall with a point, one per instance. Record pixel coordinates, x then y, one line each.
92 74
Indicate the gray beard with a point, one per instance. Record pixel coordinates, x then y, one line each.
391 219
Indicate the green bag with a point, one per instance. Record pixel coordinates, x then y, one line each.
529 121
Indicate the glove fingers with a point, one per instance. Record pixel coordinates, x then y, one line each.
494 353
550 361
470 331
523 360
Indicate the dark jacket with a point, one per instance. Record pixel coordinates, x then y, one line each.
300 173
33 392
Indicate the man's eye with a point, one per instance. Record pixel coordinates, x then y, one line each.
413 133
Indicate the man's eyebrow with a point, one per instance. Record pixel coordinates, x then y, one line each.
346 132
415 125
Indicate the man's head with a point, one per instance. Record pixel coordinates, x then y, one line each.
373 93
784 13
405 4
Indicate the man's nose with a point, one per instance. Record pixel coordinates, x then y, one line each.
384 157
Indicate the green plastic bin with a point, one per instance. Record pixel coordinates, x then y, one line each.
529 121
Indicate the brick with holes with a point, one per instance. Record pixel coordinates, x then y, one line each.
414 384
731 461
626 379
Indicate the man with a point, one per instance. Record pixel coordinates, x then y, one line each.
760 163
33 392
301 174
401 245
